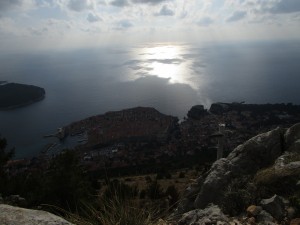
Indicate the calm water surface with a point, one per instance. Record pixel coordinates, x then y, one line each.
170 77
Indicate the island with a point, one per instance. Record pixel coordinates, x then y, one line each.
13 95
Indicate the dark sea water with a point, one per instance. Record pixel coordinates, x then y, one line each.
171 77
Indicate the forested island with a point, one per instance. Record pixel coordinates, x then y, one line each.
13 95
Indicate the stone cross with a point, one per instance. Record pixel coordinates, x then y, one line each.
221 140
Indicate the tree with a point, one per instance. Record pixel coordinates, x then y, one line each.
5 156
66 184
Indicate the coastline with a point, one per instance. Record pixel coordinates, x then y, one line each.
15 95
23 104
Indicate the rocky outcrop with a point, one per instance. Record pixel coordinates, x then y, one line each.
258 153
197 112
210 215
219 108
10 215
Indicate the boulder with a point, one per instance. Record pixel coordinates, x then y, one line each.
210 215
258 152
213 186
19 216
274 206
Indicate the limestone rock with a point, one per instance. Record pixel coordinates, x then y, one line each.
274 206
212 188
10 215
258 152
210 215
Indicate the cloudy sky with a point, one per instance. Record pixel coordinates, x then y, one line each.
49 24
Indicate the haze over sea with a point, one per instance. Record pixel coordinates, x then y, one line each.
171 77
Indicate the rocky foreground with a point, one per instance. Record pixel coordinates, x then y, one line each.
258 183
264 173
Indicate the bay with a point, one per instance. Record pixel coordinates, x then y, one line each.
172 77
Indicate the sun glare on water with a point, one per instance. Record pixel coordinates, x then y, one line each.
164 61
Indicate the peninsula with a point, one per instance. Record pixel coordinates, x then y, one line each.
13 95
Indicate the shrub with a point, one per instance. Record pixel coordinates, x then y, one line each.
238 196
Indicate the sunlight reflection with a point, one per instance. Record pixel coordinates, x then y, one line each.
164 61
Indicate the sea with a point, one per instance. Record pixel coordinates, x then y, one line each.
171 77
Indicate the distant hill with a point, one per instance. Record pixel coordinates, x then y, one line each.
14 95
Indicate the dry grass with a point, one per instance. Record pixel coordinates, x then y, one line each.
180 183
134 211
113 212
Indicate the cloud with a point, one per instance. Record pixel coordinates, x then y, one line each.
37 32
286 6
152 2
119 3
236 16
80 5
165 11
93 18
9 4
205 21
123 24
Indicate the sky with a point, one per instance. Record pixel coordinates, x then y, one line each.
31 25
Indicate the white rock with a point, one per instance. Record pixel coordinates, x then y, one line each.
10 215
